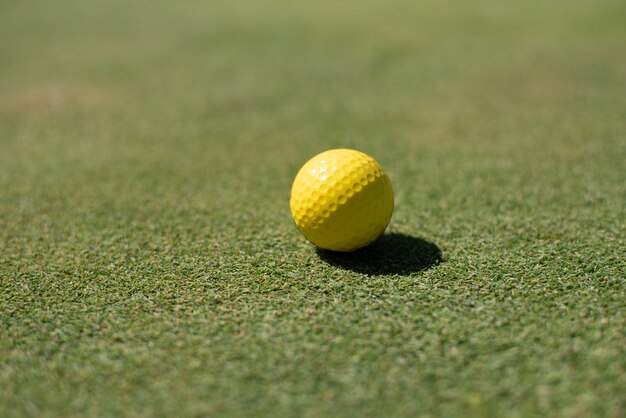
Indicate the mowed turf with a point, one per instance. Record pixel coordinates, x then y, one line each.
149 265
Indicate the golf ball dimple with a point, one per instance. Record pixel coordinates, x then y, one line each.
341 200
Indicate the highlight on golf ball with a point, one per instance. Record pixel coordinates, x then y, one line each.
341 200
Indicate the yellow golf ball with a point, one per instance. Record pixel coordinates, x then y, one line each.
341 200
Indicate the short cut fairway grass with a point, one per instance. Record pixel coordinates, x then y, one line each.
149 265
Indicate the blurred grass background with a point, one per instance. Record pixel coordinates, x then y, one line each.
148 262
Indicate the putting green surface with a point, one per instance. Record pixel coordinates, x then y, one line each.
149 265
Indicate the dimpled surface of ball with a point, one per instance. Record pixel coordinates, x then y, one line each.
341 200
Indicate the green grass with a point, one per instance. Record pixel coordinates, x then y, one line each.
149 265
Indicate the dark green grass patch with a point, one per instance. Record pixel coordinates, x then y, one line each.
149 265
